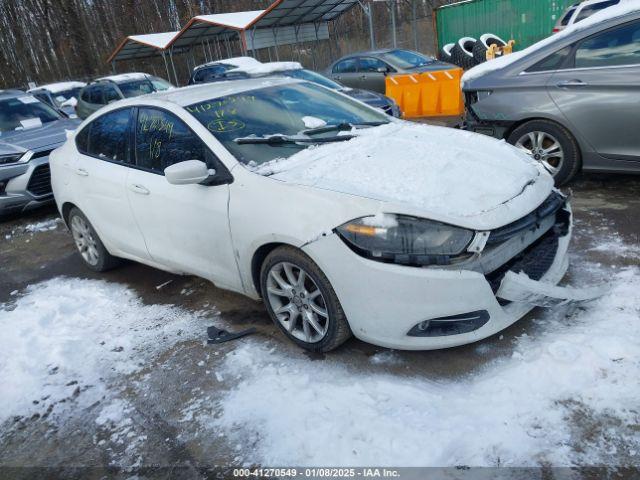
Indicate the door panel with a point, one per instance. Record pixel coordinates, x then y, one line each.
600 94
345 72
100 173
370 77
185 227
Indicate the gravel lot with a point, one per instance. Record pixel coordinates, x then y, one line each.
113 370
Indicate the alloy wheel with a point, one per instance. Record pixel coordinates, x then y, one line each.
297 302
85 241
544 148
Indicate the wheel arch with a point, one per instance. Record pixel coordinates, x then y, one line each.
65 210
258 259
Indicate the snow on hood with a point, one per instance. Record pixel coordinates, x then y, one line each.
437 169
611 12
48 135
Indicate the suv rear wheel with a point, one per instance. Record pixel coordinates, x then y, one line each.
550 144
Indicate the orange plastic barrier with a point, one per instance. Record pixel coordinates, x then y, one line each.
429 94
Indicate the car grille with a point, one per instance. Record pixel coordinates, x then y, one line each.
43 153
550 206
40 181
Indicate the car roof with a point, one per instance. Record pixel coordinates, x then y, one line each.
58 86
123 77
185 96
10 93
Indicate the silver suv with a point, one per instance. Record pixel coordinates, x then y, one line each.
570 101
29 131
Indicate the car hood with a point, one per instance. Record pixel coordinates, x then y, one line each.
432 67
441 173
49 135
366 96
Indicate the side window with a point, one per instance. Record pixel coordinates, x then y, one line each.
95 95
589 10
552 62
108 137
162 139
614 47
345 66
369 64
110 94
82 140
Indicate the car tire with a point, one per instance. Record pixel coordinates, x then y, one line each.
295 302
91 249
524 135
482 45
445 52
462 53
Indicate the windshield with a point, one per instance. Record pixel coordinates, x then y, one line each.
284 109
63 96
406 59
310 76
25 112
136 88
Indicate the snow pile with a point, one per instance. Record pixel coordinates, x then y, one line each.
516 412
444 165
67 338
43 226
125 77
619 10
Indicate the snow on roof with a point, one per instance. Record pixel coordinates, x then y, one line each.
58 86
124 77
156 40
238 20
619 10
267 68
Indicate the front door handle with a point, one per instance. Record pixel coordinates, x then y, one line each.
82 172
140 189
572 83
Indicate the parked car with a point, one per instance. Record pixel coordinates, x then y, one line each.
29 131
398 233
570 101
581 10
116 87
61 95
367 70
247 67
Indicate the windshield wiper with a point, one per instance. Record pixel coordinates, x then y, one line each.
286 139
341 127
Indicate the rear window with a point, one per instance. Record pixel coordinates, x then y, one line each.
552 62
107 137
345 66
564 21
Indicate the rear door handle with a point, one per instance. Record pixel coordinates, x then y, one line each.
82 172
572 83
140 189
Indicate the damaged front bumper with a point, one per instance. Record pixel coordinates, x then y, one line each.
414 308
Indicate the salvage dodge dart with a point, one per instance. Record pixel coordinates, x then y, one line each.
342 219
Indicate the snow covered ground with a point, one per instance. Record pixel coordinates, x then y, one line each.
516 412
113 372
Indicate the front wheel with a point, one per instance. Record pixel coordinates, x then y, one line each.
301 301
550 144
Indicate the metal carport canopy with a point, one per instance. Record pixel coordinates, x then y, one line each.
282 13
142 46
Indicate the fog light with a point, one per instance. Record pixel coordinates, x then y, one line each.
451 325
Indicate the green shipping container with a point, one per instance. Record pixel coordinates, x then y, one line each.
525 21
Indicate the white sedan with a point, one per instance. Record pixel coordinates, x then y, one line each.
344 220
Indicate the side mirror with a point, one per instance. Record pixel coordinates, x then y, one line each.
188 172
382 70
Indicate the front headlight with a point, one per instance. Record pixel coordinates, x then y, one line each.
10 158
405 240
